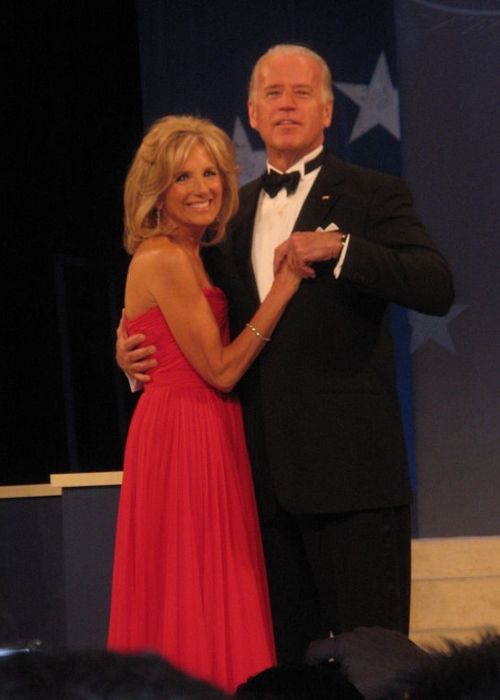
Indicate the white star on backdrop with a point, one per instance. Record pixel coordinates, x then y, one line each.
378 102
425 328
251 163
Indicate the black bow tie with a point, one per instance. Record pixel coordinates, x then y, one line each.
273 182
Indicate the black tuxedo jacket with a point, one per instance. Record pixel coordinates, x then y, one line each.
321 410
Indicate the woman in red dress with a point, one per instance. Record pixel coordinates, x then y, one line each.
189 579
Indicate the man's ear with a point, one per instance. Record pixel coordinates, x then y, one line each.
327 113
252 116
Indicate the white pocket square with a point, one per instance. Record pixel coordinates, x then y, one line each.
330 227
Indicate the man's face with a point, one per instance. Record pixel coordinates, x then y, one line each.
288 108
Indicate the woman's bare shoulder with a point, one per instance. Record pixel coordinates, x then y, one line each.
160 270
158 251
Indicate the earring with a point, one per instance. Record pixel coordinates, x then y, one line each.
158 217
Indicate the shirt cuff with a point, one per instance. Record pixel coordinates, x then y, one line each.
338 267
134 384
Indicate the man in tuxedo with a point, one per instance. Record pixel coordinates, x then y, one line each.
321 409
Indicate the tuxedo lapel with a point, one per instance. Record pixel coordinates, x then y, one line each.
318 209
241 237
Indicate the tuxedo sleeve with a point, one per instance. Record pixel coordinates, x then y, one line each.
393 258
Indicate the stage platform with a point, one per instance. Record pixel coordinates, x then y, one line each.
56 548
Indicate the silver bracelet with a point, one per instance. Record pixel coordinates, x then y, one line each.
257 333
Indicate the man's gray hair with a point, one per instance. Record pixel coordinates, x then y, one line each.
297 49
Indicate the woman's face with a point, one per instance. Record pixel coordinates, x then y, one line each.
194 199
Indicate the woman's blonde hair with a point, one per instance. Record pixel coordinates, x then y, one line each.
159 158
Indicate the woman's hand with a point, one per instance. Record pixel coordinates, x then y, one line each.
306 247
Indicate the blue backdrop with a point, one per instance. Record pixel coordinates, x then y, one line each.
197 58
449 63
417 87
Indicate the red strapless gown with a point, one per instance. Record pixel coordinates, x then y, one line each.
189 580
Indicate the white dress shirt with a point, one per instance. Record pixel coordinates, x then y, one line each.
274 221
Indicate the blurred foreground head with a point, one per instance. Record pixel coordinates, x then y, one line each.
323 681
461 672
98 675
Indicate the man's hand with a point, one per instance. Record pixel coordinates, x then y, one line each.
131 358
306 247
372 658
